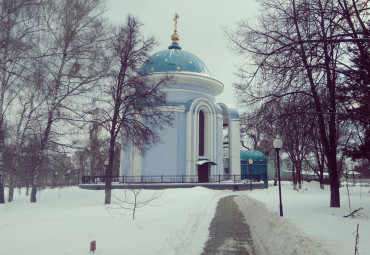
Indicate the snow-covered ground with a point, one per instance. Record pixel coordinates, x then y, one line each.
308 220
65 221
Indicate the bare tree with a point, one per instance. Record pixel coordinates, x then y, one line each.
130 104
23 117
356 94
294 126
72 55
258 126
17 23
133 199
316 160
296 49
251 129
97 157
81 162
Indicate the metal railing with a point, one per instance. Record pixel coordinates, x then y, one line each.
171 179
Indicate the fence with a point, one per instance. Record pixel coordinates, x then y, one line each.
168 179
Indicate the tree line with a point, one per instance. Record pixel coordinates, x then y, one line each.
306 77
70 90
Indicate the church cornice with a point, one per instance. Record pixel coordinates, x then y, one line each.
191 78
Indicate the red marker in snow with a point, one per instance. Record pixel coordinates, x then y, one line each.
93 246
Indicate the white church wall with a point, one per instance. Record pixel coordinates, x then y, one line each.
219 145
234 137
181 144
162 157
130 163
125 161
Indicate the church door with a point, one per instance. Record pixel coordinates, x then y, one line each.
203 172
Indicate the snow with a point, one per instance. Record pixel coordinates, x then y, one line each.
65 221
308 209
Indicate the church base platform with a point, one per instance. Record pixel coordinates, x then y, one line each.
218 186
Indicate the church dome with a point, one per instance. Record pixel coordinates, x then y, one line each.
174 59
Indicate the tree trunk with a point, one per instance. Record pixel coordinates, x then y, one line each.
34 185
2 193
33 194
13 175
331 147
27 182
329 143
294 177
11 185
3 66
108 172
299 175
276 173
334 181
321 178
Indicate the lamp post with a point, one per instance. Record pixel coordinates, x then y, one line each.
106 162
250 161
278 144
68 172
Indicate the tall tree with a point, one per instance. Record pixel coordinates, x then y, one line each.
17 23
294 125
295 49
95 147
72 55
131 102
22 123
316 160
356 93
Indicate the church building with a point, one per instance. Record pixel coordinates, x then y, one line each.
204 140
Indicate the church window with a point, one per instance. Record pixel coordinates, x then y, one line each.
201 133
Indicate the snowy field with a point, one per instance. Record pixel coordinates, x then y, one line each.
65 221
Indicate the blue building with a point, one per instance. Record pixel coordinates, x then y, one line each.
254 166
205 137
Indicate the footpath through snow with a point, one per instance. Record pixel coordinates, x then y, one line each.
65 221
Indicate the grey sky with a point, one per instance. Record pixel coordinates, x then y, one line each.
199 26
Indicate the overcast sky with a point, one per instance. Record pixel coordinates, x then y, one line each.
200 29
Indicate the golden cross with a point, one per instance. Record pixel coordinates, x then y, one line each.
175 19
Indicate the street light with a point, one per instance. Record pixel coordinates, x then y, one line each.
56 178
250 161
68 172
278 144
106 163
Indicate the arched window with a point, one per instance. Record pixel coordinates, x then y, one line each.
201 133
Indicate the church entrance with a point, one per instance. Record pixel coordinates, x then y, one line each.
203 172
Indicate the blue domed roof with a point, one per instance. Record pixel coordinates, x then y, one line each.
174 60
